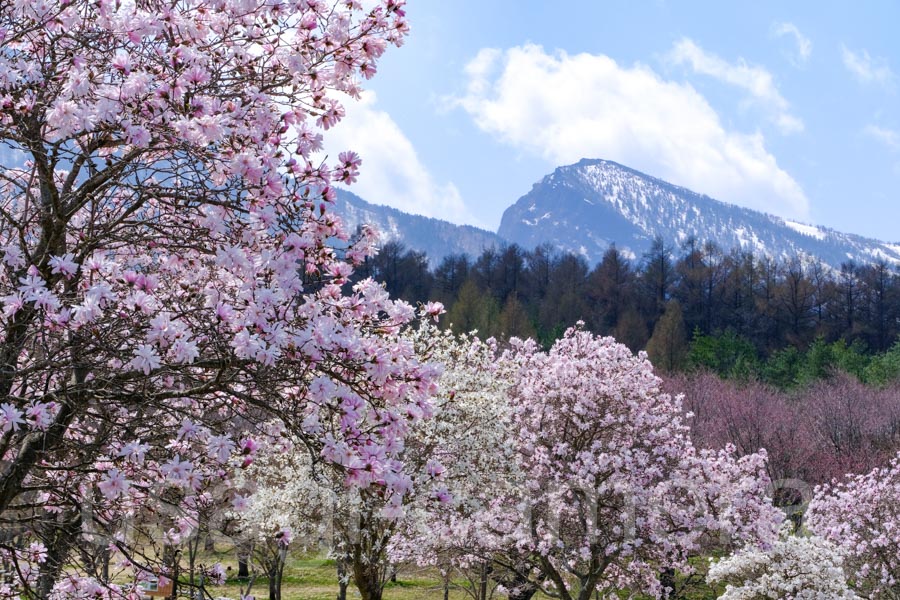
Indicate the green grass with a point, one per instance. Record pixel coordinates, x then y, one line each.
314 578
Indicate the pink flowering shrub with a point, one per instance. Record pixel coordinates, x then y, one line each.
811 436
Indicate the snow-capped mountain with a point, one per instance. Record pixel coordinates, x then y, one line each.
583 208
434 237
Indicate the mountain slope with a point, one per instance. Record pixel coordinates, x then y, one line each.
583 208
434 237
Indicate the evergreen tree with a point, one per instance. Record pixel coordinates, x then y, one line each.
474 310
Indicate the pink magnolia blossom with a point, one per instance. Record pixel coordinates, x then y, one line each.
860 515
114 484
145 359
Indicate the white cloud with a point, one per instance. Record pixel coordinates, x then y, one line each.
391 171
11 158
867 69
888 137
754 80
564 108
803 43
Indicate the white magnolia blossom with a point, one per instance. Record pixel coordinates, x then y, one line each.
285 499
471 440
794 568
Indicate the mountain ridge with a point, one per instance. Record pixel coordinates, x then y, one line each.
435 237
585 207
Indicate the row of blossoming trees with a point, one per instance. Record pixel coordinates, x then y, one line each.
179 351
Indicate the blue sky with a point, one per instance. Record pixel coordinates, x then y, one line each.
791 108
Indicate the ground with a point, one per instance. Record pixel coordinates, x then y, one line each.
314 579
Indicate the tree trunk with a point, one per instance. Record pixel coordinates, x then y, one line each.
273 583
667 580
367 580
483 585
63 532
521 589
343 581
243 563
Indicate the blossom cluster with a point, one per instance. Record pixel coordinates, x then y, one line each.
860 515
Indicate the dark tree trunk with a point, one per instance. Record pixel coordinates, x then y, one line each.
667 580
243 565
61 535
343 580
368 580
483 585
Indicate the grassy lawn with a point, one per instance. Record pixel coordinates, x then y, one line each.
315 579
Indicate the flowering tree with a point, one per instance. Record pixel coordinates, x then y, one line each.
168 282
470 448
794 568
286 497
811 436
281 506
614 490
861 516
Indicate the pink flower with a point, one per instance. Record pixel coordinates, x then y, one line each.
220 447
39 415
284 536
134 452
433 310
249 446
240 503
64 265
434 468
114 485
122 62
10 417
145 359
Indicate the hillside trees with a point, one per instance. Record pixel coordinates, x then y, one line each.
168 283
667 347
811 435
770 304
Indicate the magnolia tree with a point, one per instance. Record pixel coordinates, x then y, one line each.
281 506
794 567
288 501
614 495
861 516
167 282
469 446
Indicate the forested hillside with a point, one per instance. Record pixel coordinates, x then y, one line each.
755 308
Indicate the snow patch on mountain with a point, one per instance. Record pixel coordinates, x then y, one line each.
810 230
